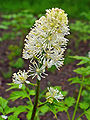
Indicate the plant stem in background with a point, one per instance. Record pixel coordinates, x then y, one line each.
80 115
68 115
36 100
77 100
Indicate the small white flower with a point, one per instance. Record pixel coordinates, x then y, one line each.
4 116
53 94
36 70
20 77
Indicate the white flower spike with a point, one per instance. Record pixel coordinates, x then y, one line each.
47 38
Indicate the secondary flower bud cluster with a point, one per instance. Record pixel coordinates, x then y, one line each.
46 39
53 94
20 78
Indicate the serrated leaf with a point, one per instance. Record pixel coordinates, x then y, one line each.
83 71
19 110
87 113
44 108
83 59
69 101
18 94
74 80
12 117
3 102
86 81
83 105
9 110
56 107
53 109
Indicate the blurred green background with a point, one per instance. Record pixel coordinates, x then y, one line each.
74 8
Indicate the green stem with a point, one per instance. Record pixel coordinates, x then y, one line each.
36 100
33 84
77 100
80 115
68 115
29 97
42 104
67 112
30 100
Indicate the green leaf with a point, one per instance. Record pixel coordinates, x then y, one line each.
86 96
15 86
83 59
74 80
9 110
3 102
3 27
12 117
18 64
52 69
64 93
1 118
57 87
1 110
83 71
29 115
31 92
44 109
6 23
18 94
55 107
69 101
87 113
19 110
83 105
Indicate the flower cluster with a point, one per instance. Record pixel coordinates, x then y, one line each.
20 78
53 94
46 39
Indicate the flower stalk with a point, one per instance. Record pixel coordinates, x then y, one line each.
36 100
78 100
